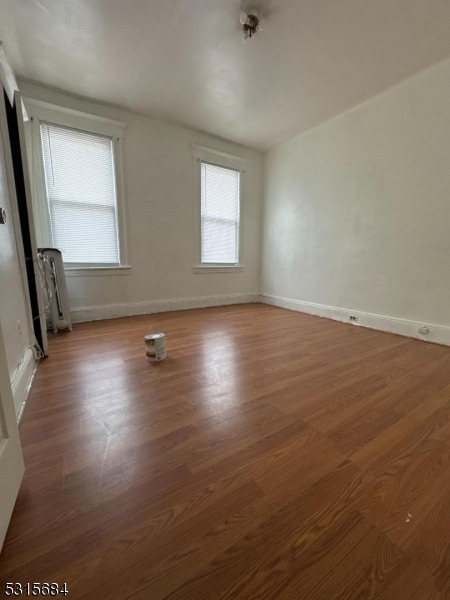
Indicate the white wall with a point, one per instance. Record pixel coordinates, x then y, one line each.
159 182
14 311
357 211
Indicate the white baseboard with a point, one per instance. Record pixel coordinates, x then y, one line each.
112 311
439 334
21 381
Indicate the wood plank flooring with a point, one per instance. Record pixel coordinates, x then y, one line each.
271 455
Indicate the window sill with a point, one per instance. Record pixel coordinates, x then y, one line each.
202 269
96 271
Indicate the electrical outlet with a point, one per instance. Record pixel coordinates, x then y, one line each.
423 330
353 318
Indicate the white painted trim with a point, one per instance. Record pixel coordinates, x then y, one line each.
121 199
31 226
96 271
112 311
7 75
39 195
78 114
15 216
21 380
27 394
439 334
222 159
209 269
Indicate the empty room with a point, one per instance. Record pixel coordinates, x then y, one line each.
225 299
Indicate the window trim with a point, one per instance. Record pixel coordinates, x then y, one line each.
96 271
227 161
44 112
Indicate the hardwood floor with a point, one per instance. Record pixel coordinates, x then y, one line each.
271 455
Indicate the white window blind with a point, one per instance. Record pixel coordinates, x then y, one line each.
220 198
81 190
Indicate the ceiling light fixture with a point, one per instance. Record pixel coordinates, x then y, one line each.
250 25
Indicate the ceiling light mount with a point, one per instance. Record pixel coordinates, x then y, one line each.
250 24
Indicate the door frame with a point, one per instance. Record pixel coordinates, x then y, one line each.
11 458
12 115
16 116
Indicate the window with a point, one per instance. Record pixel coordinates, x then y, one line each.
78 196
220 199
218 207
81 192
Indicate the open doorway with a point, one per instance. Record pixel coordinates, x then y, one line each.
15 119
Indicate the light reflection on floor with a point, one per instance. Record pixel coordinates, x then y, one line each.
220 373
109 402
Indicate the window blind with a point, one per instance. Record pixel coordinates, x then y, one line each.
220 197
81 191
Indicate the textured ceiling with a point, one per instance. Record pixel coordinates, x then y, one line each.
185 61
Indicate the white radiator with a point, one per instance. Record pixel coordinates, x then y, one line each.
55 288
